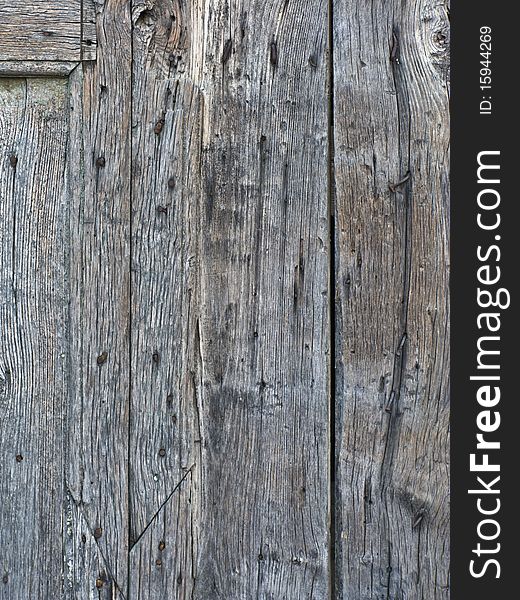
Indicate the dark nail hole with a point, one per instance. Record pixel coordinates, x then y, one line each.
226 53
159 126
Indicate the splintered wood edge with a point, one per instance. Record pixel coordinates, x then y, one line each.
16 68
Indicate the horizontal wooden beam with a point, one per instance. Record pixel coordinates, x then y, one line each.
16 68
47 31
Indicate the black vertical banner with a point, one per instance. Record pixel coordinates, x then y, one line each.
485 246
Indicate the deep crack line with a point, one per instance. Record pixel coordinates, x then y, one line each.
331 208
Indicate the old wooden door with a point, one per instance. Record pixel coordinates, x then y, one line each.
223 300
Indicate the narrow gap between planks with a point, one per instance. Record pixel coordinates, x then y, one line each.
332 302
130 305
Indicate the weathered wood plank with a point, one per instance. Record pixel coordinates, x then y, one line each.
167 113
98 416
33 334
230 299
83 558
88 30
263 376
162 562
38 68
391 194
40 30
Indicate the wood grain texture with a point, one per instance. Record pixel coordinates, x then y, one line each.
263 384
162 562
229 311
47 31
38 68
33 335
99 412
40 30
165 230
391 195
88 30
165 298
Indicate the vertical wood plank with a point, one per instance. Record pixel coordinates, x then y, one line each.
98 416
263 379
166 179
230 300
162 562
391 137
33 334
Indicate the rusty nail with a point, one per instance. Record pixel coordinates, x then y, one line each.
102 358
419 517
159 126
98 532
162 452
393 187
394 52
158 562
171 183
162 545
273 53
99 583
19 458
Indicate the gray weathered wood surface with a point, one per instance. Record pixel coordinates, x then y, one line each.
97 449
391 145
223 300
33 334
40 30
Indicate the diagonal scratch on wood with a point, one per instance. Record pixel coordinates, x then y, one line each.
82 516
156 514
